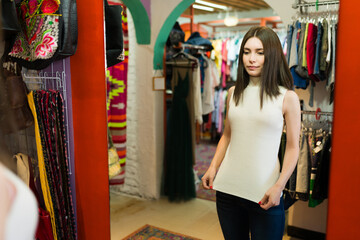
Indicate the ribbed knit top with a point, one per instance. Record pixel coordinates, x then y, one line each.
251 166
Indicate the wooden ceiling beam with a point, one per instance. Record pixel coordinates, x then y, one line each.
247 4
259 3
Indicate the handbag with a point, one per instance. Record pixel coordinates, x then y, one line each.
113 159
48 32
114 34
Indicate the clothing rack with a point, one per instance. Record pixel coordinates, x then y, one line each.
189 46
301 3
317 113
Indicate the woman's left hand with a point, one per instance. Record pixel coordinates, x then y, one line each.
271 197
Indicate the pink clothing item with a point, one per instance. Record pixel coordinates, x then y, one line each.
311 48
224 53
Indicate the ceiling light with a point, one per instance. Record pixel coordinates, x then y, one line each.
211 4
210 9
231 21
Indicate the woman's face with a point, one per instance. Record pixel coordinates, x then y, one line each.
253 57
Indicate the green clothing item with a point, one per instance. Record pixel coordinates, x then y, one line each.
304 63
179 174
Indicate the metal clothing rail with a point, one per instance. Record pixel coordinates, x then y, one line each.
301 3
55 80
320 113
317 113
189 46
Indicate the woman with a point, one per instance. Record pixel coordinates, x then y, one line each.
248 180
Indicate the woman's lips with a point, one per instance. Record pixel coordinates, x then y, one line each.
252 67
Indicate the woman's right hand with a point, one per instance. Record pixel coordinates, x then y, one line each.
208 178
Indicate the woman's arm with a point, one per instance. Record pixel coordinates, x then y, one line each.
7 194
292 112
208 178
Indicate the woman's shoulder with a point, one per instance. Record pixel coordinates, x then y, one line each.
231 90
291 99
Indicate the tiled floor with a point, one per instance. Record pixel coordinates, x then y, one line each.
196 218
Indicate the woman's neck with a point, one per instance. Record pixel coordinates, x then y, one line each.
255 80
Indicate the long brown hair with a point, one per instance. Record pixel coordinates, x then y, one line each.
275 71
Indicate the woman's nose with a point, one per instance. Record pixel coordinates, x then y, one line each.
252 58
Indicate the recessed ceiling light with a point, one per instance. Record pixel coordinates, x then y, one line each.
211 4
210 9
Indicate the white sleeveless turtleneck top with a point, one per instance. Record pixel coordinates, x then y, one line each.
251 166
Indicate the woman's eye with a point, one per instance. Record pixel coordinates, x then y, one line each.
261 53
246 53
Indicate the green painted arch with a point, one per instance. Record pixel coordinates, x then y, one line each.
165 31
141 21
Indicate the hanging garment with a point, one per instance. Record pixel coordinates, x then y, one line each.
304 59
311 50
324 48
43 176
300 70
179 175
289 38
63 163
51 125
116 78
317 53
224 53
207 94
331 80
299 81
321 184
316 144
303 169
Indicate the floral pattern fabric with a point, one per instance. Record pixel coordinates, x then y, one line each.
39 21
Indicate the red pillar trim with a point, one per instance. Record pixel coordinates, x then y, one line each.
89 117
343 212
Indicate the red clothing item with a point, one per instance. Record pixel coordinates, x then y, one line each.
311 49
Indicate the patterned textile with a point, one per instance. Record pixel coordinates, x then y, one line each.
39 37
155 233
50 124
116 103
43 178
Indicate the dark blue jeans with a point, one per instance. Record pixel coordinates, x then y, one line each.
238 217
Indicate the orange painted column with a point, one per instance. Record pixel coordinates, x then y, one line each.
89 119
344 193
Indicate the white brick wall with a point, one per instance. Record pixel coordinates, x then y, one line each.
131 185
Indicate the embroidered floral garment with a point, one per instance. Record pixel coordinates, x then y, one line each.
39 37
